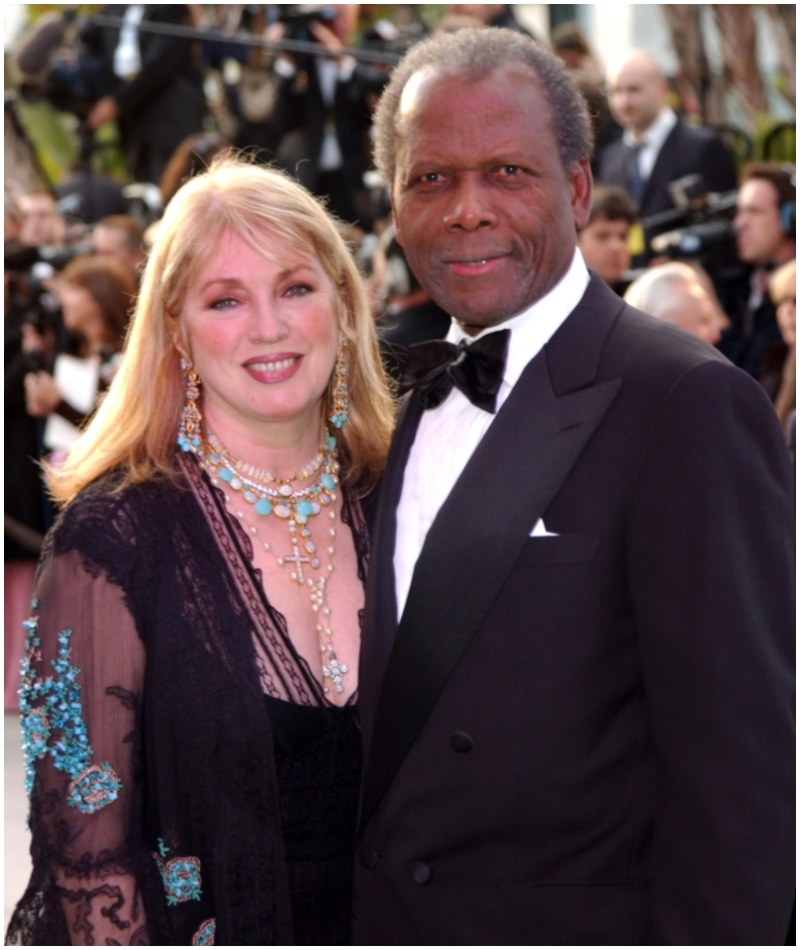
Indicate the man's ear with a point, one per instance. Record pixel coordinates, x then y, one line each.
580 184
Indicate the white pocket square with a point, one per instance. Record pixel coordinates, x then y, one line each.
539 531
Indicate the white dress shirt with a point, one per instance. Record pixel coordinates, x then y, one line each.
652 140
449 434
127 58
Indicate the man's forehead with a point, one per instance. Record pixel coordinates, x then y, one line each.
426 80
757 193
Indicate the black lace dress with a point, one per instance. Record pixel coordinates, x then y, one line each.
189 784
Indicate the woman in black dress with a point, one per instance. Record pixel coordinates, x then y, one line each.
189 682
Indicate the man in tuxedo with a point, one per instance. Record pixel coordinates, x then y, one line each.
575 683
656 147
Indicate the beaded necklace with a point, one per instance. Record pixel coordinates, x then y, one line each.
268 495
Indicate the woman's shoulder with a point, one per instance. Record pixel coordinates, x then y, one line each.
110 521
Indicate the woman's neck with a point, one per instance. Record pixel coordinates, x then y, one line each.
281 448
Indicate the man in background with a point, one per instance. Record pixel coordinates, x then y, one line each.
674 293
120 238
657 148
765 239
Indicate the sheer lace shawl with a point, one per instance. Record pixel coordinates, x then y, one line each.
175 644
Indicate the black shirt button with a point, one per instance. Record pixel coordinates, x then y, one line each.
368 857
421 872
462 742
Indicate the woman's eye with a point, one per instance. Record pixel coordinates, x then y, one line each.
298 290
223 303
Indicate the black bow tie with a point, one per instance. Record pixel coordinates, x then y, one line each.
476 369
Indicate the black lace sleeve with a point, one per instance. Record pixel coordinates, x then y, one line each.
82 678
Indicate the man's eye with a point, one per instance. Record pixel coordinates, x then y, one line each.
509 171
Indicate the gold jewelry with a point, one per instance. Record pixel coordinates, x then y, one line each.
189 438
340 396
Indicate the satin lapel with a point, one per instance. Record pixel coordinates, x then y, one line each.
471 548
380 614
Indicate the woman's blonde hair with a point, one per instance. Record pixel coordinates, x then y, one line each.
136 425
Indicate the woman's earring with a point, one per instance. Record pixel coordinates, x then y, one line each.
340 396
189 427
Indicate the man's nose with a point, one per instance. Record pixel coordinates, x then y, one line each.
471 206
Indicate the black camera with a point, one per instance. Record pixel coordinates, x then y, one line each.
66 70
704 231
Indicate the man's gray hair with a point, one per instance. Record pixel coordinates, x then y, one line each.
650 292
476 54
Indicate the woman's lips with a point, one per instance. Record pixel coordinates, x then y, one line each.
273 369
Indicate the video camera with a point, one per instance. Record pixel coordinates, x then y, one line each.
61 64
705 233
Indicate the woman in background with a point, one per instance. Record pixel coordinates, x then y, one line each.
95 295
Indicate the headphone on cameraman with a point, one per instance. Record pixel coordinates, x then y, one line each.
788 215
787 209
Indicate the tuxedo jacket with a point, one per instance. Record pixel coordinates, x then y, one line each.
686 151
587 737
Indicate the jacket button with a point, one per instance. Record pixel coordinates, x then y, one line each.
368 857
421 872
462 742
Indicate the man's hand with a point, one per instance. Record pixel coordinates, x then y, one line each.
104 110
41 394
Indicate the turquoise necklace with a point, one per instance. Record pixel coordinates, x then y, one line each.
268 495
271 495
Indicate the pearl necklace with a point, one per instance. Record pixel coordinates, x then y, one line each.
295 506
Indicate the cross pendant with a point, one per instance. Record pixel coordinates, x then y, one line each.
298 560
335 671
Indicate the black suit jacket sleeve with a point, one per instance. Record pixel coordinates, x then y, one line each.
716 626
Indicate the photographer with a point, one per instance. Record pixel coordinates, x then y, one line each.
321 116
95 295
24 508
154 86
41 224
765 239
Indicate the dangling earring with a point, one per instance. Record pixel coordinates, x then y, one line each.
189 427
340 398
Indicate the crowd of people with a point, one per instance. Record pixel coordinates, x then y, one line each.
284 683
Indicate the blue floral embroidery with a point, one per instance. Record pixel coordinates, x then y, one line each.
205 934
52 705
181 876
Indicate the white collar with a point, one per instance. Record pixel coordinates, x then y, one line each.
656 133
533 328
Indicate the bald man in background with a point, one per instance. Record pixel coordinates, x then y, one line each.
674 293
656 147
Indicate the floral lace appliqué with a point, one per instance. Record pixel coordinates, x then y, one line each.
52 723
181 876
205 934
